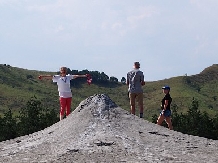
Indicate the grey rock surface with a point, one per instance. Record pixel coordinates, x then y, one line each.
100 131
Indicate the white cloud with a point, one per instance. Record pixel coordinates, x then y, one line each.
116 26
140 14
206 7
59 28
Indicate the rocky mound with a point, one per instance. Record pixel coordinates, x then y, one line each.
100 131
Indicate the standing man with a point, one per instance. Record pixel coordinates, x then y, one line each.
135 81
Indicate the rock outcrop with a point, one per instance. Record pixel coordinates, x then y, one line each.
99 131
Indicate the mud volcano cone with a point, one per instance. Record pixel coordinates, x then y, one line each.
100 131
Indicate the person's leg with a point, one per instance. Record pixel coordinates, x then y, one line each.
68 105
133 109
132 97
160 119
62 107
140 103
167 114
169 123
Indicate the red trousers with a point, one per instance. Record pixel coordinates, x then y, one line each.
65 104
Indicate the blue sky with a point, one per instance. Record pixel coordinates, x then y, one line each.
169 38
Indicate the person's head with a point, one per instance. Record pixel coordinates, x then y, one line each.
166 89
63 71
136 65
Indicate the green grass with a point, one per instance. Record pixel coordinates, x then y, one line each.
18 85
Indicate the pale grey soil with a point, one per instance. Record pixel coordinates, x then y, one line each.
100 131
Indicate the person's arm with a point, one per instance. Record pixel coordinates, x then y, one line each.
165 105
142 83
46 76
142 79
79 76
127 81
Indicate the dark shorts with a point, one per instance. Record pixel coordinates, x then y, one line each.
167 113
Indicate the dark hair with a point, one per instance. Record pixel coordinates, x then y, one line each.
137 64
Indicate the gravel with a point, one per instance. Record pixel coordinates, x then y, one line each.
100 131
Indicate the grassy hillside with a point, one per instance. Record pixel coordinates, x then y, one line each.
18 85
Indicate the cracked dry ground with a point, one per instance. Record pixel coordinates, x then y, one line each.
100 131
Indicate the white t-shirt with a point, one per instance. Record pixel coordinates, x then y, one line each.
63 85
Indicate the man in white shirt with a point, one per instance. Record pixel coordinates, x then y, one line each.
65 94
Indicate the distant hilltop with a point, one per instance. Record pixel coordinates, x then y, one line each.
208 74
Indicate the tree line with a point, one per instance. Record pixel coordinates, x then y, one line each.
193 122
97 77
31 118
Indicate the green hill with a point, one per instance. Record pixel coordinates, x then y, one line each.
18 85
